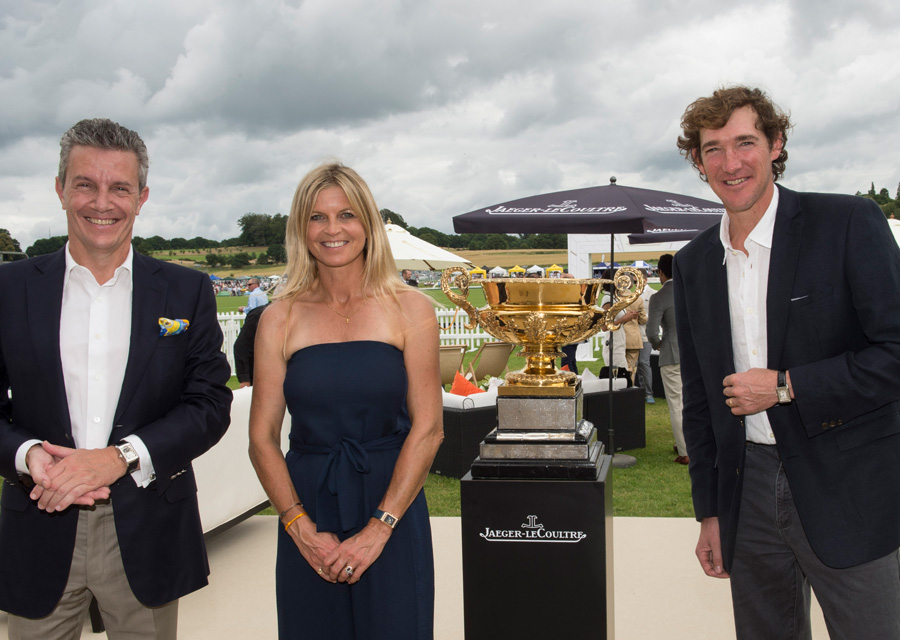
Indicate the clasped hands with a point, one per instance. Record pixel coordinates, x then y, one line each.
329 557
751 391
64 476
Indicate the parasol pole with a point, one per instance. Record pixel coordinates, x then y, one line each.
619 460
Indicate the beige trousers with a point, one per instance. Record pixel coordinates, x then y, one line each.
671 379
97 570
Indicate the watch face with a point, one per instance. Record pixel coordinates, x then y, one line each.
389 519
130 454
784 395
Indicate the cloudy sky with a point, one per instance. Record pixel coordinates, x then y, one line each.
442 106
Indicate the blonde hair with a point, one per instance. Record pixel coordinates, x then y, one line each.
379 272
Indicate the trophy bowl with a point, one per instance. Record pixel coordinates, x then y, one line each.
542 315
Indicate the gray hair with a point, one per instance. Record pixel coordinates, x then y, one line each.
102 133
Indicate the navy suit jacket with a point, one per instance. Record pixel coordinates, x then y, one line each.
833 321
174 397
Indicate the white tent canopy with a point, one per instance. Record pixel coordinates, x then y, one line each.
535 269
581 246
498 272
895 228
411 252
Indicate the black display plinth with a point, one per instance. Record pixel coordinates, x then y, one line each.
537 557
464 429
629 417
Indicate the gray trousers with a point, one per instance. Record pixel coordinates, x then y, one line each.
644 373
97 570
774 568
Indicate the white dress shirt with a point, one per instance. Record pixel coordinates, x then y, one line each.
94 340
748 277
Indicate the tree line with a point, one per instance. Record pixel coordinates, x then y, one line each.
266 230
890 206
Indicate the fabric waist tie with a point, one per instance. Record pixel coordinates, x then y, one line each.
340 488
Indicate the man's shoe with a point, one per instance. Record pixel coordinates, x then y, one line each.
683 460
650 400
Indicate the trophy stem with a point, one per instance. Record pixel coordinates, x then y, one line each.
540 369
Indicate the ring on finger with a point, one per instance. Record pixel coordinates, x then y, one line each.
320 571
348 570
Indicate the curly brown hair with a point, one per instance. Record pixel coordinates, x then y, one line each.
714 112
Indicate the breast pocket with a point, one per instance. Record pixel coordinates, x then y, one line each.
807 319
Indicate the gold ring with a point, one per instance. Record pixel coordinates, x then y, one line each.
349 570
320 572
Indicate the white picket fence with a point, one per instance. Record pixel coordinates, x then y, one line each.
453 331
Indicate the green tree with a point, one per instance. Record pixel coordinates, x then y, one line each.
496 241
141 245
394 218
277 229
891 209
432 235
277 254
213 260
7 242
157 243
46 245
262 229
239 260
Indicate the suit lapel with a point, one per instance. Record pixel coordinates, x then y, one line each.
782 266
43 295
148 300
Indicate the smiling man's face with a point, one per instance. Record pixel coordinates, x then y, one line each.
737 162
101 199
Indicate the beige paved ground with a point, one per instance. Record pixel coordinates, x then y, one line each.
660 593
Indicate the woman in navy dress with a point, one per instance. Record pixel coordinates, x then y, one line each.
352 353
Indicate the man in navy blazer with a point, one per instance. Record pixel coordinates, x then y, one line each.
788 321
110 402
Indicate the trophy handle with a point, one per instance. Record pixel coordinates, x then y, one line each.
629 283
462 282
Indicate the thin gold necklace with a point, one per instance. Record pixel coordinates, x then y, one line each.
346 317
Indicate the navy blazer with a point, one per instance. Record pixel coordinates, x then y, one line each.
833 321
174 397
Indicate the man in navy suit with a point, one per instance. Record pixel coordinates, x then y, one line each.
788 321
117 383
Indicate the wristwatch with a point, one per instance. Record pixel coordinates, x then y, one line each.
387 518
129 454
782 390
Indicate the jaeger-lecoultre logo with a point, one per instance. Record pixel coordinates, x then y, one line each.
532 531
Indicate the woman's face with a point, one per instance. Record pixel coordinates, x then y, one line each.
335 234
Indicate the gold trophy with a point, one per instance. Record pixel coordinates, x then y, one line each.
540 430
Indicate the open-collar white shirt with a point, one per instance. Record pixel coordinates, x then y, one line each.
94 340
748 276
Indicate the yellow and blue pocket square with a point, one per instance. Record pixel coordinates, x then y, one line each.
169 327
